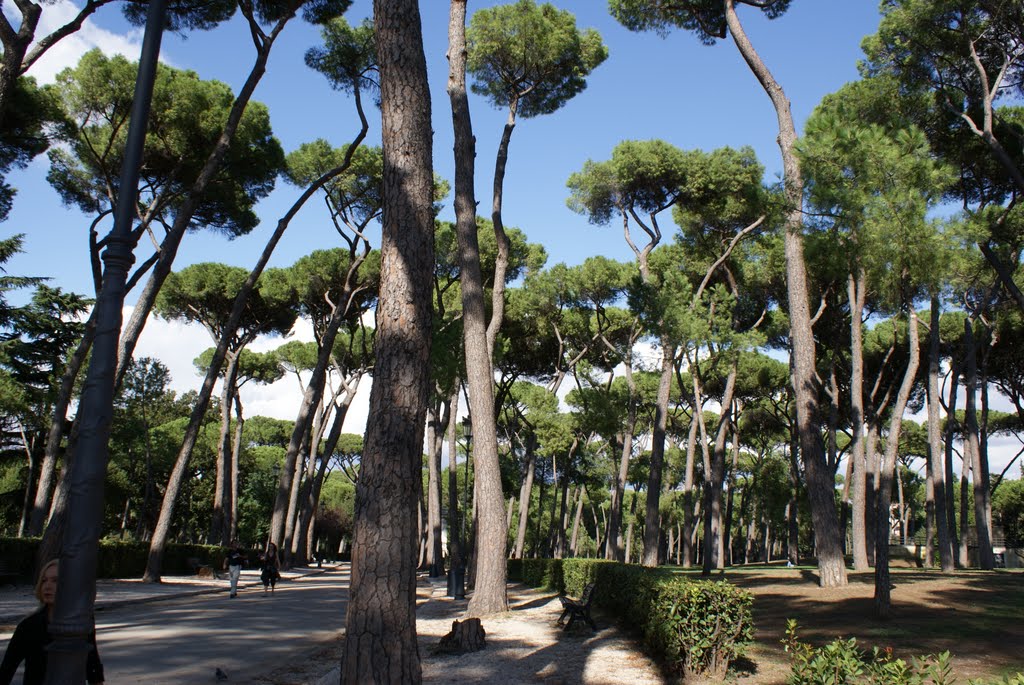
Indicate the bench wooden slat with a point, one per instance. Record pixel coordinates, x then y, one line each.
578 608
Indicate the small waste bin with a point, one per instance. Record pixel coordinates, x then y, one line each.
457 583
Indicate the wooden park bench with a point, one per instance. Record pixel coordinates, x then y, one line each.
202 570
578 608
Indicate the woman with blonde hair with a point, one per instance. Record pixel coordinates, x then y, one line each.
31 637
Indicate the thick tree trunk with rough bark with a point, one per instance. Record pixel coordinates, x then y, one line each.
380 620
820 482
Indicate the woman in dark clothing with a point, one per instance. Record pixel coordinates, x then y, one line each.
31 637
269 568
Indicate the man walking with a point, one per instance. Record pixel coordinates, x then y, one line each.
233 562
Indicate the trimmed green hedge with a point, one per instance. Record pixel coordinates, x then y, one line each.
117 558
698 627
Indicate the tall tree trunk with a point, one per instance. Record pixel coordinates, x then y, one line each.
284 508
856 295
882 584
713 524
727 535
437 418
629 527
577 519
793 508
161 529
489 595
955 538
986 559
936 471
220 529
236 453
524 498
688 496
552 519
310 497
380 622
563 514
44 487
305 466
652 527
613 536
820 483
31 462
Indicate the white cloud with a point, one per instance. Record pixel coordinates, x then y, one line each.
70 49
176 344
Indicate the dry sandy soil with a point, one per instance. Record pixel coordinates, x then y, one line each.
976 616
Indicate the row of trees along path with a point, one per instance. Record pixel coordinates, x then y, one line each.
922 127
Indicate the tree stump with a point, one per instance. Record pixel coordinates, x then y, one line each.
465 636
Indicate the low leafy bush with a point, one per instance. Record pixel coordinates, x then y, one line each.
697 627
701 626
842 662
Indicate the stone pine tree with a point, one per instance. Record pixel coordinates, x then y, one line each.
22 47
204 293
713 21
531 60
96 96
640 181
380 620
219 149
965 59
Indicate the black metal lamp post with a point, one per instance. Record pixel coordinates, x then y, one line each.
73 620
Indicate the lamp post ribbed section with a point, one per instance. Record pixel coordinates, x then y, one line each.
72 619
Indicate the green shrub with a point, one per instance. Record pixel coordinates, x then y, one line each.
118 558
842 661
700 626
546 573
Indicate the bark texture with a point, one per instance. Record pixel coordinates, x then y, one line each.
380 621
820 481
489 595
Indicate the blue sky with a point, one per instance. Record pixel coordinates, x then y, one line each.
675 89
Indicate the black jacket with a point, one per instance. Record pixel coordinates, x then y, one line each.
28 644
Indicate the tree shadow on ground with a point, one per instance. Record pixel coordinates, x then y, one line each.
973 615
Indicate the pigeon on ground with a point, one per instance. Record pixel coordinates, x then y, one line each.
221 675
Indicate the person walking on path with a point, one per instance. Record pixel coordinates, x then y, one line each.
270 569
31 637
233 562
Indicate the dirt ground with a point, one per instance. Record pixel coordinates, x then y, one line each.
976 616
